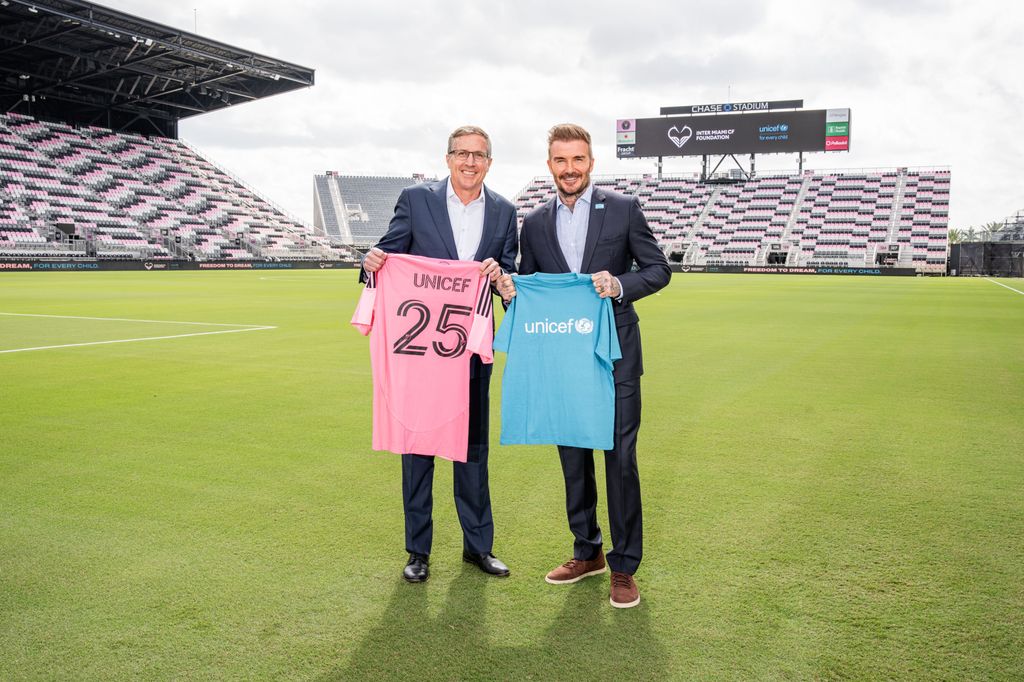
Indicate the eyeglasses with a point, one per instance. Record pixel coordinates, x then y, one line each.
463 155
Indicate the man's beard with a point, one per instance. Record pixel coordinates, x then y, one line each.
584 183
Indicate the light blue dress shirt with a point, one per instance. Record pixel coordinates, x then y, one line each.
571 227
571 230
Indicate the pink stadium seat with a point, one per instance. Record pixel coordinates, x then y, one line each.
134 196
835 219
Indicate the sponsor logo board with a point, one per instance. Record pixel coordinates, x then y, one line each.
837 116
837 129
837 144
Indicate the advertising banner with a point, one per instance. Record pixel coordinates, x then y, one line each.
93 265
783 270
785 132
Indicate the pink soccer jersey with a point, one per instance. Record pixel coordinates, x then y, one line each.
427 316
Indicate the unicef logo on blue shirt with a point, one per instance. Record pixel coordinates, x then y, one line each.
584 326
581 326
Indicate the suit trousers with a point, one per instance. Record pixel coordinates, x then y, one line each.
622 479
472 493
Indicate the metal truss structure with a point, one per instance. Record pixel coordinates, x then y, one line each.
81 63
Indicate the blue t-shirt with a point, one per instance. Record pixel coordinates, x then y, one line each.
561 342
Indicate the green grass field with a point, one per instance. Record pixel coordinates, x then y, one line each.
833 474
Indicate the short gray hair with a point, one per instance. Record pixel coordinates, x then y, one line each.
462 131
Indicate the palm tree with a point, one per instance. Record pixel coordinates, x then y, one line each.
990 231
955 235
970 235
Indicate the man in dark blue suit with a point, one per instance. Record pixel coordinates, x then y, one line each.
456 218
591 230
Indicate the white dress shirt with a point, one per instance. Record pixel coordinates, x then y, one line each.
467 222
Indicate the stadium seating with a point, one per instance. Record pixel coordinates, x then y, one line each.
74 192
356 209
828 219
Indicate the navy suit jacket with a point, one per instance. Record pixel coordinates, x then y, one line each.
421 227
617 237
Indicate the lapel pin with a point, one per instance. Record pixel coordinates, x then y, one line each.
598 207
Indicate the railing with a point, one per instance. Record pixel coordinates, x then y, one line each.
897 207
698 224
30 248
795 215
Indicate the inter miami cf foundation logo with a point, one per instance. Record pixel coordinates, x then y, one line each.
680 136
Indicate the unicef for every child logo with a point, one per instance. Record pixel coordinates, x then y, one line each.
581 326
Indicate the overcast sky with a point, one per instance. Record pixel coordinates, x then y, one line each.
929 83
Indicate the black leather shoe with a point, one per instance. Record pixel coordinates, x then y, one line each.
417 570
486 563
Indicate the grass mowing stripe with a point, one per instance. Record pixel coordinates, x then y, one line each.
123 319
145 338
831 473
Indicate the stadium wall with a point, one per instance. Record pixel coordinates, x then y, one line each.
93 265
782 270
174 265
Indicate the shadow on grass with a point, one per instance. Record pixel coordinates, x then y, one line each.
587 639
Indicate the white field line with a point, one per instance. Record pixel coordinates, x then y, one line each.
1005 286
125 319
238 328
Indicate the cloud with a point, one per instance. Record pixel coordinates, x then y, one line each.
930 82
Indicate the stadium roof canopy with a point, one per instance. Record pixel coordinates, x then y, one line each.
82 63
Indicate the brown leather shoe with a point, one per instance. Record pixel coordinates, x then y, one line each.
624 592
575 570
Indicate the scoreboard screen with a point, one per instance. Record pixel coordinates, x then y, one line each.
816 130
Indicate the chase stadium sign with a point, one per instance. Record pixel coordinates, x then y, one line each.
732 107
